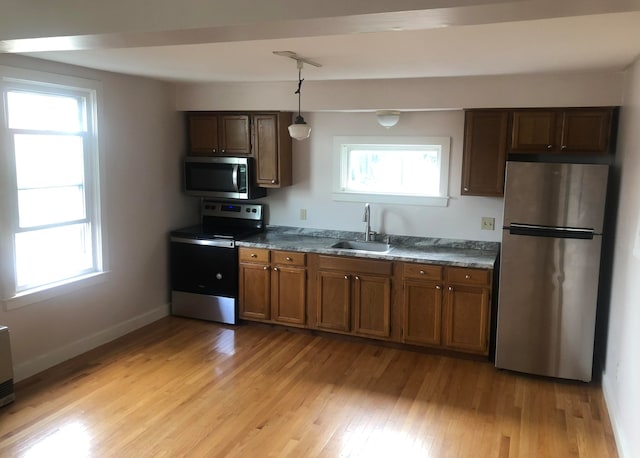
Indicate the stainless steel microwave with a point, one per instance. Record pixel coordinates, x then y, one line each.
221 177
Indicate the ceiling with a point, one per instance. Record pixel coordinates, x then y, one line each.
368 46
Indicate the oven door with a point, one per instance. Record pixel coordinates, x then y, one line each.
204 279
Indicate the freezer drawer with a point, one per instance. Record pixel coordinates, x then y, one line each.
547 305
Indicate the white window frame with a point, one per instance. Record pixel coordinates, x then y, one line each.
340 155
90 90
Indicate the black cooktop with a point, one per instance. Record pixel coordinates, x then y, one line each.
225 220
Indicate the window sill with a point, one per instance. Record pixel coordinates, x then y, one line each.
431 201
44 293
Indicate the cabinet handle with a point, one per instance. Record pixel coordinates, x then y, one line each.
564 146
222 151
213 150
253 255
467 276
466 189
549 146
422 272
438 287
265 268
346 277
357 278
288 258
450 288
275 269
273 181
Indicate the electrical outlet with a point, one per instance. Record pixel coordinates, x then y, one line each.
303 214
487 223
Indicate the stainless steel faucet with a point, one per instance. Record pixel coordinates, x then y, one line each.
367 223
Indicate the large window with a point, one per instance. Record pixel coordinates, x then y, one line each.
52 225
411 170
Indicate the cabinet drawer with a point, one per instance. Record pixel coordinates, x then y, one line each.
422 271
468 276
259 255
291 258
355 265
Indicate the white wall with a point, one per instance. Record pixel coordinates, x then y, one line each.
141 142
313 167
621 378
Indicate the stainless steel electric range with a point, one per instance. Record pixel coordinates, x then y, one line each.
204 261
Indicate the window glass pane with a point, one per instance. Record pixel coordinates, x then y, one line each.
54 254
48 160
393 170
37 207
30 110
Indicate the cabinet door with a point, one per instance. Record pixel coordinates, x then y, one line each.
203 134
234 135
255 291
288 294
422 312
272 149
534 131
466 319
372 305
586 130
333 301
484 156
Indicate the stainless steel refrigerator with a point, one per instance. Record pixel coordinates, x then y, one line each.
549 268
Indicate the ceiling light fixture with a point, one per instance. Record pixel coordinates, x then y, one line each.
299 130
387 118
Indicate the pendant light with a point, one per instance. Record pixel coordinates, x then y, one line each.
299 130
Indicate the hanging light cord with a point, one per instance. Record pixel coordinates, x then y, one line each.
300 80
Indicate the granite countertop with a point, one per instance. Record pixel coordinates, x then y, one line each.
450 252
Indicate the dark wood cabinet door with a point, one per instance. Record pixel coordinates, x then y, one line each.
466 319
534 131
422 312
203 134
586 130
484 156
289 294
333 301
265 149
372 305
234 135
255 291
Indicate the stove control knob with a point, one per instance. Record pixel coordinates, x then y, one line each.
219 276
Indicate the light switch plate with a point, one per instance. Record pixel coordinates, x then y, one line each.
487 223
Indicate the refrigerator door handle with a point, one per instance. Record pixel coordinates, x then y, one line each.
550 231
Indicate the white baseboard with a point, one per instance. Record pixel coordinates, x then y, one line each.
612 408
50 359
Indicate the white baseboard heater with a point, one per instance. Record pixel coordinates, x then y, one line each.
6 368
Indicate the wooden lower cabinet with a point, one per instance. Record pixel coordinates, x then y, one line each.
466 319
272 286
447 307
354 296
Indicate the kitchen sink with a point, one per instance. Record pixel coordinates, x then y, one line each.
362 246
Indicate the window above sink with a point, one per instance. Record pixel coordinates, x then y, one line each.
407 170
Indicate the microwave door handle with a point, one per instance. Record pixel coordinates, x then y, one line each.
235 178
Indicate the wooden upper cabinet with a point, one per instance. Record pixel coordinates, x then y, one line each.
533 131
272 149
234 135
586 131
214 134
203 134
484 156
562 130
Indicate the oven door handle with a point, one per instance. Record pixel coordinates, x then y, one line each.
218 243
235 177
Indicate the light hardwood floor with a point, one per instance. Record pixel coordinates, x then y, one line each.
181 387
